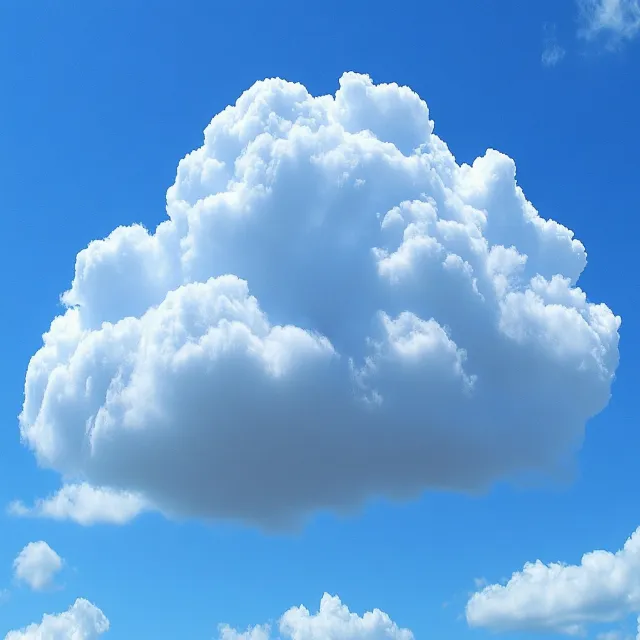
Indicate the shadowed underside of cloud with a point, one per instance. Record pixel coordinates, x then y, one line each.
560 598
83 621
334 309
333 621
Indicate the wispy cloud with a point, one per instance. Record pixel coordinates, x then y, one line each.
615 21
552 51
37 565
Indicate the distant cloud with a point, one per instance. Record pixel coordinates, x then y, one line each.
614 635
83 621
317 322
552 52
36 565
260 632
560 598
85 505
333 621
613 21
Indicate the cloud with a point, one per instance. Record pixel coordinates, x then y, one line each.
333 621
613 635
552 52
261 632
85 505
604 587
334 309
83 621
36 565
612 20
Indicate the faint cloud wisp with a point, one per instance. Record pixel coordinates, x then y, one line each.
552 52
615 21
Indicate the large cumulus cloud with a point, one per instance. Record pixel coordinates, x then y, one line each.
333 309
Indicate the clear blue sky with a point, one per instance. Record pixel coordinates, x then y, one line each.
100 100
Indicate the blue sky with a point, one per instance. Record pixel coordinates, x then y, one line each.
100 102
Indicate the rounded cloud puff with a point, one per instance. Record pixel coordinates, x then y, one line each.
333 310
82 621
563 598
333 621
37 564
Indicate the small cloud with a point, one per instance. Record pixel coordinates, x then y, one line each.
82 621
613 21
332 621
85 505
552 51
562 598
36 565
552 55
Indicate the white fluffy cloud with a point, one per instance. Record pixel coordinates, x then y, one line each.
84 504
604 587
333 621
82 621
36 565
615 20
334 309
